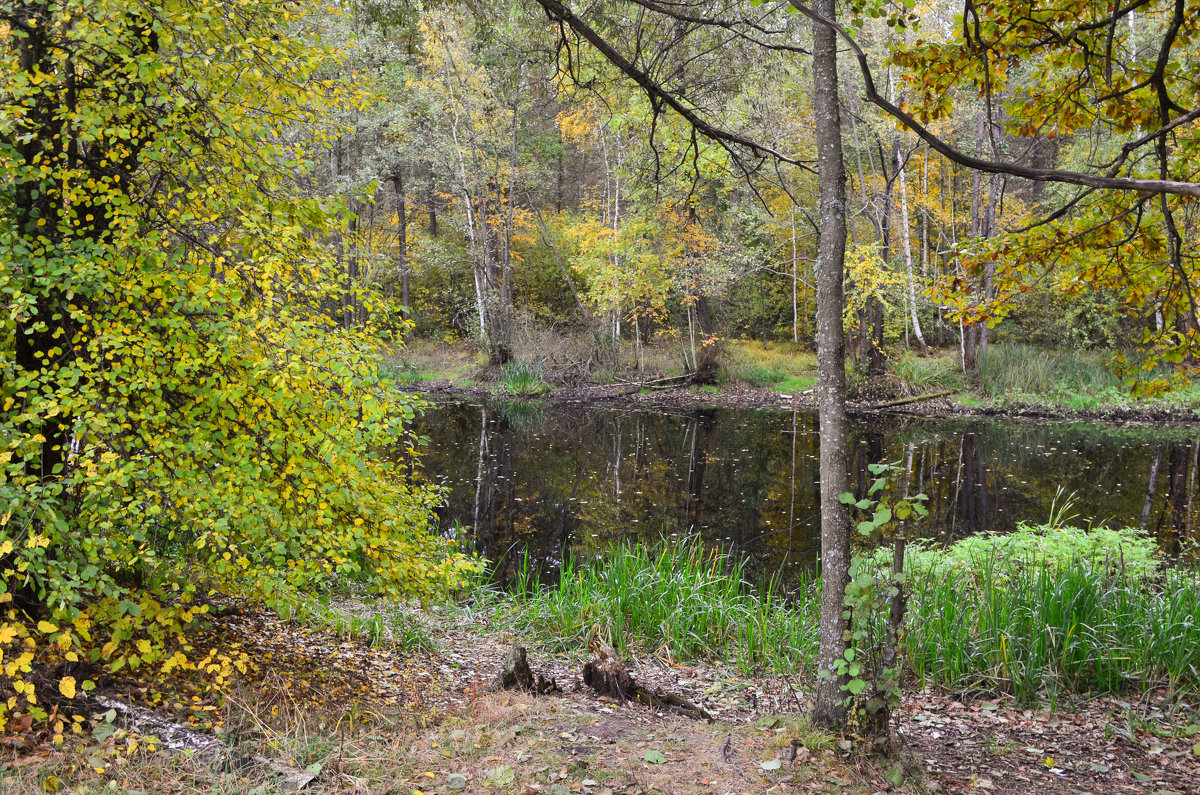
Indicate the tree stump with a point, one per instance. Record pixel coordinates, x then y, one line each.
514 671
515 674
608 677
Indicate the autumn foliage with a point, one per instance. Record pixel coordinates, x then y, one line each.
184 412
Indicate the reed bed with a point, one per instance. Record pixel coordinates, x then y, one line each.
986 617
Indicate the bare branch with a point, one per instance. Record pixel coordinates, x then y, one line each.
558 12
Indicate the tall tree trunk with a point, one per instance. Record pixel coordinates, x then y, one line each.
38 332
831 364
402 241
795 279
706 359
908 264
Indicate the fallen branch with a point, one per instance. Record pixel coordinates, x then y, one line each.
674 379
176 737
906 401
608 677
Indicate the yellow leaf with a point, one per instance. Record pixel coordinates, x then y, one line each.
45 627
67 686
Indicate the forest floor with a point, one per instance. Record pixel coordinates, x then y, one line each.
755 374
372 719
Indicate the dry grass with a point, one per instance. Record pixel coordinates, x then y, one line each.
505 743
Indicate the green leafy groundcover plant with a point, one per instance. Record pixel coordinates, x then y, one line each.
182 409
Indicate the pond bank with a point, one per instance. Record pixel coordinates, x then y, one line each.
1015 381
377 718
739 396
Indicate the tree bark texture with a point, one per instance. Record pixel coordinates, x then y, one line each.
831 364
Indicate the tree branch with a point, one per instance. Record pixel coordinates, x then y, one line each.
991 166
558 12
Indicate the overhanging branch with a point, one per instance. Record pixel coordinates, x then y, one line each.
1100 181
558 12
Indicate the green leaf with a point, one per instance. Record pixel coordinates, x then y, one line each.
654 757
846 498
503 775
856 686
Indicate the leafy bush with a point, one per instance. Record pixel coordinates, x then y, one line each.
1034 546
181 415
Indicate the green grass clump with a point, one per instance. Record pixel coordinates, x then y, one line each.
521 377
680 601
1074 379
924 374
1036 613
1042 629
766 364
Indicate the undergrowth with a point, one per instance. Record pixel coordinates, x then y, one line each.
1036 613
678 601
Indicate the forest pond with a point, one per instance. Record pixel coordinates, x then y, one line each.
550 477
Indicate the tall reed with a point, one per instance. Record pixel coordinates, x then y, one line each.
989 617
680 601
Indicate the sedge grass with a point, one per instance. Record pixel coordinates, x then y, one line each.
678 601
988 617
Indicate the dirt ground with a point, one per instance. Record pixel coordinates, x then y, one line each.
371 720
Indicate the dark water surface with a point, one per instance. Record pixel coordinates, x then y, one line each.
550 477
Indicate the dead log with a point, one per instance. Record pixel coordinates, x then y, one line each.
906 401
515 674
608 677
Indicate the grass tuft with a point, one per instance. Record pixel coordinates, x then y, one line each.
679 601
521 377
923 374
1075 379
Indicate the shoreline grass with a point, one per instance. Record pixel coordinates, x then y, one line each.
1010 375
681 602
987 616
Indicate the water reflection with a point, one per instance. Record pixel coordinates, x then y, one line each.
554 477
